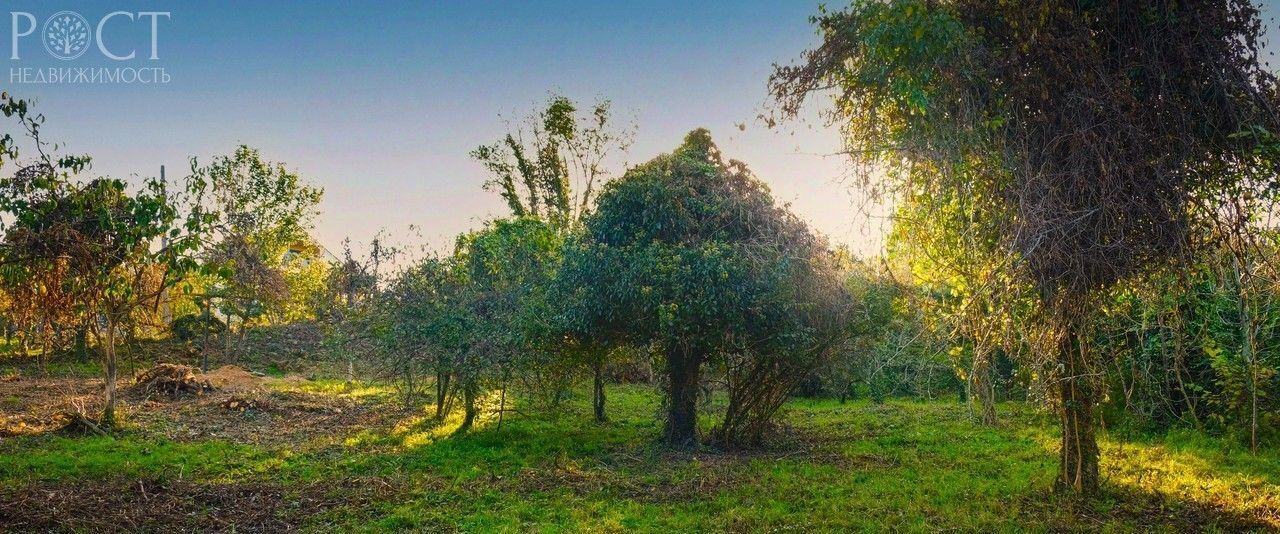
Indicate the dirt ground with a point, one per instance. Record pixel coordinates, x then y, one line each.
179 506
237 406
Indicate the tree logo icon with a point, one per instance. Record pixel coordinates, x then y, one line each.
66 35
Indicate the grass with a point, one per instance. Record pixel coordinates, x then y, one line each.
903 465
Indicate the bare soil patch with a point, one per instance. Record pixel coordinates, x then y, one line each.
151 505
228 403
35 405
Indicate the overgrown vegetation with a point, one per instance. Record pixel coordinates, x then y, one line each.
1082 197
1083 146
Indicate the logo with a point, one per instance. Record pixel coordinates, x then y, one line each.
66 35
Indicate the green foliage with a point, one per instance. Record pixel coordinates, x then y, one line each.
466 318
691 254
264 212
671 237
552 164
507 264
306 276
194 326
261 201
1178 346
893 350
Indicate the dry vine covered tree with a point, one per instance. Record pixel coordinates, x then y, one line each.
1099 137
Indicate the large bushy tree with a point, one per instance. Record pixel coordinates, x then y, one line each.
466 317
690 253
423 325
509 263
1092 136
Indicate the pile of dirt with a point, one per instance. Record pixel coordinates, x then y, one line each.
291 403
176 381
171 380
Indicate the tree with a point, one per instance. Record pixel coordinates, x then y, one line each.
264 209
131 272
550 168
1092 136
467 317
576 317
553 162
260 201
508 263
306 273
349 302
798 321
422 322
689 253
94 242
963 289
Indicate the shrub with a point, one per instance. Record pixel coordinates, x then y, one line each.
193 326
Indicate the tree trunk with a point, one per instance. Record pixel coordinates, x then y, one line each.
1247 352
409 392
204 348
44 354
557 396
469 408
983 388
597 400
1079 460
226 342
82 345
502 404
109 368
442 393
683 369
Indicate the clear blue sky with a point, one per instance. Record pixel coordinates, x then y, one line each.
380 102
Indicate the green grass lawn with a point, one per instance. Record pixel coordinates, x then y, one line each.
915 466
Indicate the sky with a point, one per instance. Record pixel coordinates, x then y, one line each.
380 102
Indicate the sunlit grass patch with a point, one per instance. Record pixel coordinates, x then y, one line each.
355 389
1186 467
